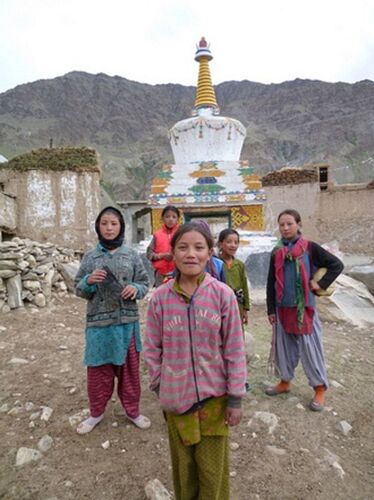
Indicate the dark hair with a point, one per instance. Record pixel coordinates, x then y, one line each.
294 213
170 208
187 228
227 232
111 244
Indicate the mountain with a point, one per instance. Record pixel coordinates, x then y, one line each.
127 122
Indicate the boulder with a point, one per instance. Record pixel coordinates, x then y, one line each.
365 274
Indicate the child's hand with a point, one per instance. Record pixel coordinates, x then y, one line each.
129 292
314 286
272 319
233 416
245 318
98 276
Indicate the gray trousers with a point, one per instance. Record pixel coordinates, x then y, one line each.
289 349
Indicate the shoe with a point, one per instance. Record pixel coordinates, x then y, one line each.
88 425
274 390
248 387
318 401
140 421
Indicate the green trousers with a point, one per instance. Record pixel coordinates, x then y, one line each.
200 471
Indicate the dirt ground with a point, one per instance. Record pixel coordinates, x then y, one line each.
301 455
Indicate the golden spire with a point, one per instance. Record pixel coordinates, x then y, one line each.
205 95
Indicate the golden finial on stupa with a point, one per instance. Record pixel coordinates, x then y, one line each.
205 95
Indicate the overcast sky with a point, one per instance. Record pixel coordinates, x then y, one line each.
153 41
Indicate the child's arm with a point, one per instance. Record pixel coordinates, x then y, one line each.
150 253
246 303
153 344
233 347
323 258
82 287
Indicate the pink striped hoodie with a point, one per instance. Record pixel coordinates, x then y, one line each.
194 350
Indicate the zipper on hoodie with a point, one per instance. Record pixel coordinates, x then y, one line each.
191 351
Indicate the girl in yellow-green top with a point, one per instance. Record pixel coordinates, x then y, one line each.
236 278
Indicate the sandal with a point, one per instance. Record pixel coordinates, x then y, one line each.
140 421
85 427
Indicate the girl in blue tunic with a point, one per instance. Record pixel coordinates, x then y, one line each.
111 278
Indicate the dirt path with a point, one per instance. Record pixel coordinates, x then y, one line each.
304 456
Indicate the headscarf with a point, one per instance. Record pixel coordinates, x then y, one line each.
117 242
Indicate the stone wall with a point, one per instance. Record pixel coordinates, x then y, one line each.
33 273
8 213
302 197
344 214
347 215
55 206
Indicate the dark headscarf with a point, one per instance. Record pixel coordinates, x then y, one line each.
111 244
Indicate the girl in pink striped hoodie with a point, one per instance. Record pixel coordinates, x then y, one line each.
194 351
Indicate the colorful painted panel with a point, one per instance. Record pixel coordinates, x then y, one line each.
199 183
248 218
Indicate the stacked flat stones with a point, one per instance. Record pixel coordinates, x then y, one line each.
31 273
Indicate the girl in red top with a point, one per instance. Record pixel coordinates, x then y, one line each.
159 250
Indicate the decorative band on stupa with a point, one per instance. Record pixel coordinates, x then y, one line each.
205 94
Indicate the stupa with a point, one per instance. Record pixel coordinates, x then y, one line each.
208 180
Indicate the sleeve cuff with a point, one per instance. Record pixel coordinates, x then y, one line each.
234 402
86 287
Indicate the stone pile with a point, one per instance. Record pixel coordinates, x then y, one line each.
286 176
31 273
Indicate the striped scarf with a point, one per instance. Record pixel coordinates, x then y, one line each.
298 319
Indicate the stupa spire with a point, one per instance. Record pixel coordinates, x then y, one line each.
205 94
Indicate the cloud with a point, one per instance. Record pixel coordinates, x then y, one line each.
154 41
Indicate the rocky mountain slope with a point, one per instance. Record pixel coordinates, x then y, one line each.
291 123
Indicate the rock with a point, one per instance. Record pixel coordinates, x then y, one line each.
275 451
352 302
45 443
18 361
336 384
4 408
7 273
68 272
105 445
46 413
365 274
78 417
15 411
155 490
8 265
29 406
27 455
234 446
233 473
40 300
33 286
344 427
267 418
14 289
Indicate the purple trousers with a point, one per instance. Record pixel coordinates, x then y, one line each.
100 384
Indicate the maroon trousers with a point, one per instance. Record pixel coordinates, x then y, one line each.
100 384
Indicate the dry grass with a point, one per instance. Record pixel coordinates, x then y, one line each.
56 159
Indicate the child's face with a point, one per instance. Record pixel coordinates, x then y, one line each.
110 226
170 219
191 254
288 227
229 245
